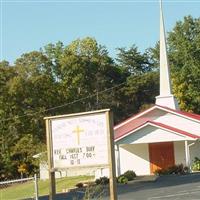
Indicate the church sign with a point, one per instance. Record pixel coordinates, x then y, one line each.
81 140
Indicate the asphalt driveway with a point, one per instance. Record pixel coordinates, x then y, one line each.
185 187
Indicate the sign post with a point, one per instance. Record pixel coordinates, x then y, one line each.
52 185
81 140
111 153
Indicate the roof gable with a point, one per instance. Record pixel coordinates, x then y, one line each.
187 115
182 113
152 115
180 133
133 117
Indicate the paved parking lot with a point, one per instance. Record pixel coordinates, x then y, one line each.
185 187
165 188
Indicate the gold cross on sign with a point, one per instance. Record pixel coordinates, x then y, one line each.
78 131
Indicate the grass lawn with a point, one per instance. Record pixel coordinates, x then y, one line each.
25 190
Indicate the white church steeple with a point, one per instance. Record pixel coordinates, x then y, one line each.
165 98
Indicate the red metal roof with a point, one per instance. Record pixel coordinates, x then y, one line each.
130 126
120 135
134 116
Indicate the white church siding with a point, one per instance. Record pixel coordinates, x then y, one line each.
179 152
151 134
135 157
178 122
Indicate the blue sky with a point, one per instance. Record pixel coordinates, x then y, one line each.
31 24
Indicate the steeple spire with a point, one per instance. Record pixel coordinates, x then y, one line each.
165 98
165 85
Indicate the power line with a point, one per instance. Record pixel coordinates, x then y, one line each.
66 104
97 1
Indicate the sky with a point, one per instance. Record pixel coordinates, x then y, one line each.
28 25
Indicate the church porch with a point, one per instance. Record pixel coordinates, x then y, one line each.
146 158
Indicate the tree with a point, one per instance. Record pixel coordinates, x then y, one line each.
60 79
54 76
86 70
141 80
29 91
28 88
134 62
141 91
7 131
54 52
184 48
22 154
184 57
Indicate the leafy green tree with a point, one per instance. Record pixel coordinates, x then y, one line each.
70 78
28 88
7 131
52 77
54 52
184 47
141 91
87 69
134 62
141 80
184 57
33 91
23 152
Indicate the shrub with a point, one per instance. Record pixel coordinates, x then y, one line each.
161 172
130 175
97 181
196 164
79 185
94 192
175 169
102 180
122 179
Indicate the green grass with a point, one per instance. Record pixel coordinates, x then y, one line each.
25 190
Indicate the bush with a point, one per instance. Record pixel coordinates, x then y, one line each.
102 180
97 181
130 175
126 176
175 169
94 192
79 185
122 179
196 164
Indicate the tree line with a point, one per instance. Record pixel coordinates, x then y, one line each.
81 76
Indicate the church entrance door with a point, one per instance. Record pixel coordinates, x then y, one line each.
161 155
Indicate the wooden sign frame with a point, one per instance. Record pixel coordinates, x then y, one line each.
110 145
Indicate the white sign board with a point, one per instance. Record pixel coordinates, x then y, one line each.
80 141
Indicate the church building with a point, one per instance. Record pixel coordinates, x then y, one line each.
161 136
